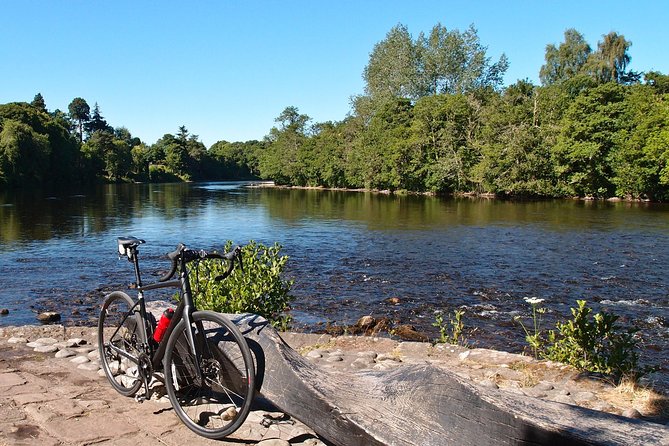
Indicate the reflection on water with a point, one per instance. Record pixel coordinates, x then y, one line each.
350 252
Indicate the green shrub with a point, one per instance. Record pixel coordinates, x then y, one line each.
595 344
450 332
259 289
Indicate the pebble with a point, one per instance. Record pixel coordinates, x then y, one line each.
315 354
48 316
361 363
65 353
387 357
632 413
367 354
17 340
92 366
334 358
46 341
46 349
80 360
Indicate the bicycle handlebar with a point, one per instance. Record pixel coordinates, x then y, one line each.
189 255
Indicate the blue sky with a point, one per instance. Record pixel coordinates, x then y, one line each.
225 69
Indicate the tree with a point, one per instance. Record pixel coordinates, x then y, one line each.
38 103
454 62
24 153
392 70
609 62
565 61
80 112
96 122
282 160
590 132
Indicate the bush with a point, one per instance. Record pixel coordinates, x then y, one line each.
595 344
259 289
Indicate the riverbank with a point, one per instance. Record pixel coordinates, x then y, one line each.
486 195
31 357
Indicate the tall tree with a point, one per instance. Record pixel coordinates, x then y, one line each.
609 62
565 61
38 102
392 70
454 62
80 112
96 122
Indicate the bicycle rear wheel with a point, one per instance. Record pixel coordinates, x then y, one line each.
118 341
215 404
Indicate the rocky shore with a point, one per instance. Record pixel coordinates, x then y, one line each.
34 354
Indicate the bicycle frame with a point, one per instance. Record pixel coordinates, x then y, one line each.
184 311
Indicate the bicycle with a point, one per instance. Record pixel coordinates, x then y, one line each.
205 361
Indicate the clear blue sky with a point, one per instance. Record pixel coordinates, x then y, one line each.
225 69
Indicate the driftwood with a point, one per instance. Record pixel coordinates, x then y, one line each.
423 405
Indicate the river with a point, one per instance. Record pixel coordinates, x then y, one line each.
350 252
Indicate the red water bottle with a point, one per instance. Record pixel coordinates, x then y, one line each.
162 324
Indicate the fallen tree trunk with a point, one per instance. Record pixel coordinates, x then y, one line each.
423 405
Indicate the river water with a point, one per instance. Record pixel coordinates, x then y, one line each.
352 251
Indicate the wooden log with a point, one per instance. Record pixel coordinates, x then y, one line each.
423 405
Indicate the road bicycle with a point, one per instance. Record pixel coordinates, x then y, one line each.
202 357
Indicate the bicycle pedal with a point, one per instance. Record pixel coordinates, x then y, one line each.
140 398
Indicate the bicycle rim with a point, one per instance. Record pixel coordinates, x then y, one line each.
218 403
118 341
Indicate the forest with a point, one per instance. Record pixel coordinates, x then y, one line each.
434 117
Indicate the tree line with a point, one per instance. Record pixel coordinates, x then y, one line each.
58 149
434 117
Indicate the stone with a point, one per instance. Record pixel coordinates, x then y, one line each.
80 360
334 358
15 340
387 357
65 353
367 354
78 341
315 354
4 311
365 322
362 363
489 384
584 396
632 413
48 316
409 333
544 386
46 341
11 379
94 354
92 366
273 442
46 349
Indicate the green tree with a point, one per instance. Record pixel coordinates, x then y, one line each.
565 61
38 103
24 153
392 70
281 160
609 62
439 133
96 122
589 135
455 62
80 112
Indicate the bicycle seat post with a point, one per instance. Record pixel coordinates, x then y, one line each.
135 261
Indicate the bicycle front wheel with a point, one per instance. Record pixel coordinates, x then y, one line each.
118 342
211 391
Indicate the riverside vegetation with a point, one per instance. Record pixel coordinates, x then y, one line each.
434 117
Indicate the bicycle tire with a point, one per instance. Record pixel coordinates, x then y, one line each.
118 325
217 406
